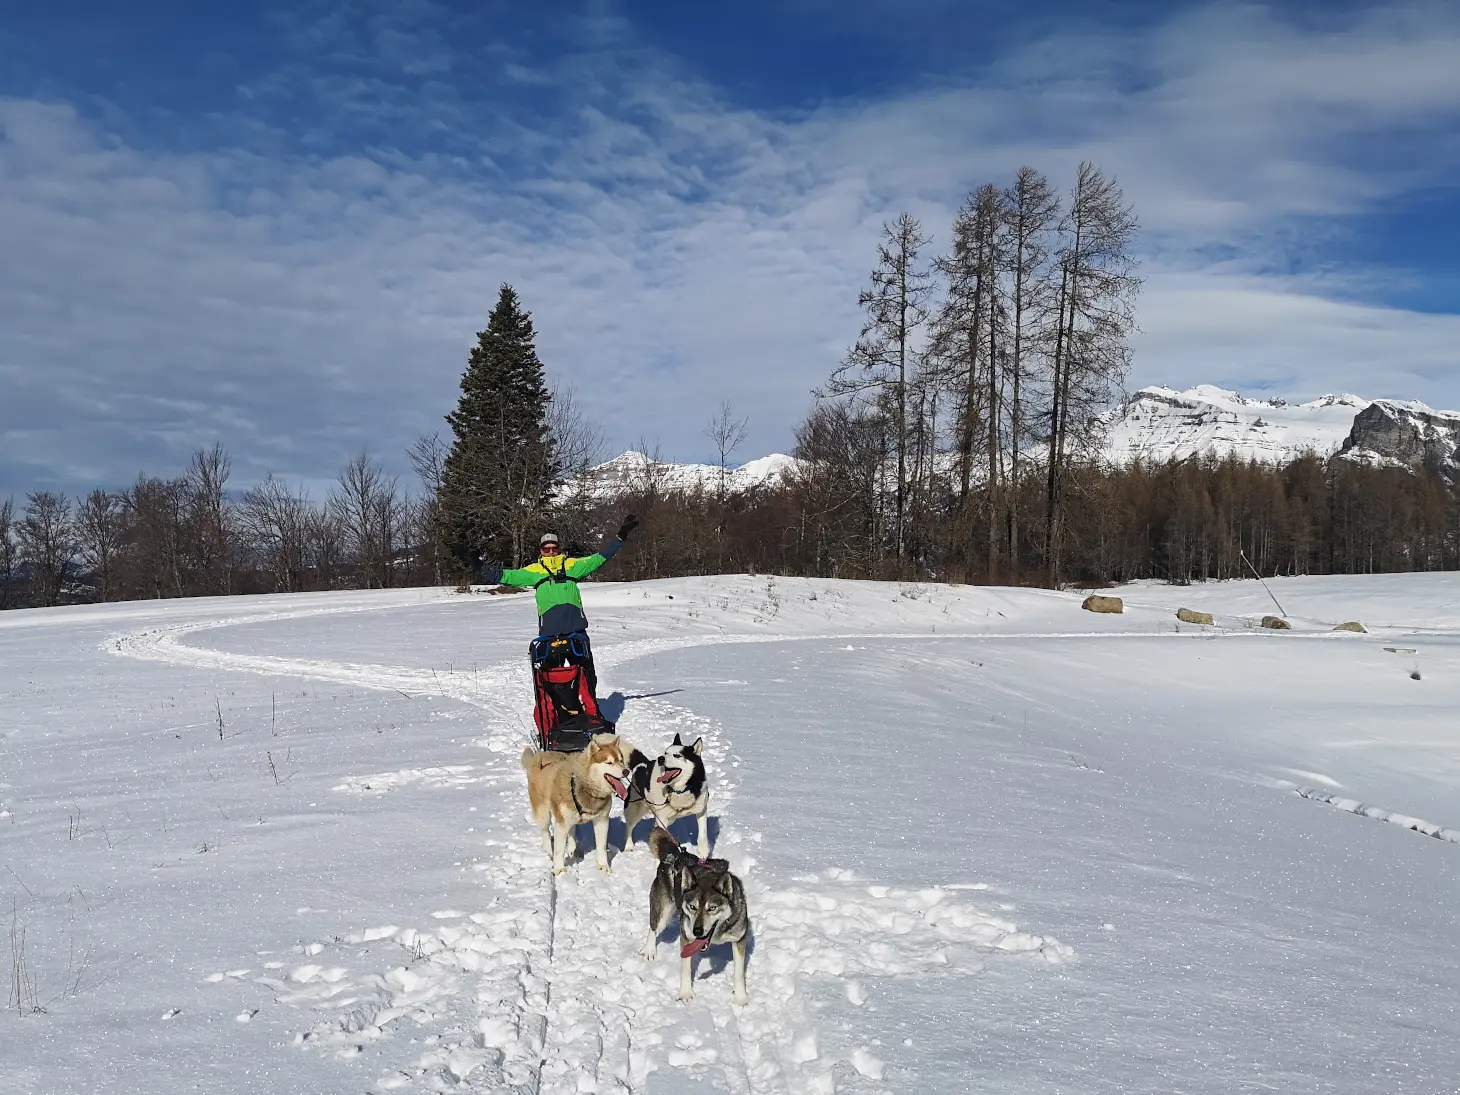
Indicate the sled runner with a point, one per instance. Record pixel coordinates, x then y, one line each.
565 707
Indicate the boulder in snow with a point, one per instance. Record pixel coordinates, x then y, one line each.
1276 623
1097 603
1192 616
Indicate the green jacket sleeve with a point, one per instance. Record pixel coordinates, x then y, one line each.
523 577
581 568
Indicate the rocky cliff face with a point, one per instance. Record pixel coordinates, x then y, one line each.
1404 432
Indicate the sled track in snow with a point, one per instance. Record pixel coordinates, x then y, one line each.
1404 821
544 992
165 644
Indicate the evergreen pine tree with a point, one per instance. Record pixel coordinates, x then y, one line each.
499 476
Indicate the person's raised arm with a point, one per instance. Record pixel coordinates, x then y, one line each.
494 575
581 568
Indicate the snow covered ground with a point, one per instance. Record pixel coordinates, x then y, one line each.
991 843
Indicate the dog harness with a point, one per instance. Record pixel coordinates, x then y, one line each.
573 790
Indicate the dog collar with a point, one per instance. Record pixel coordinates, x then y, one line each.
669 793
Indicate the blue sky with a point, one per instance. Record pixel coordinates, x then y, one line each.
279 226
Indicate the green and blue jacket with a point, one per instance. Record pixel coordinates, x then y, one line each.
554 580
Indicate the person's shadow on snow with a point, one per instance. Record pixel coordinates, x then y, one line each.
612 706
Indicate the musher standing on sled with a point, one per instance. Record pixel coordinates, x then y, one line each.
554 578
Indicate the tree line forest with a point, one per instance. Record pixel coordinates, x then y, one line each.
958 439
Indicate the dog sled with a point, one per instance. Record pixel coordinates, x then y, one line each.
564 683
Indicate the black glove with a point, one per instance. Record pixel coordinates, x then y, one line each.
630 523
491 573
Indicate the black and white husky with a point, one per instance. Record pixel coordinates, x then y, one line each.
709 902
670 787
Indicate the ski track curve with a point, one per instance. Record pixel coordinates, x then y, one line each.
543 991
1404 821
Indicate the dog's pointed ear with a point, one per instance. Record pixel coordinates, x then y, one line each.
698 747
676 740
713 870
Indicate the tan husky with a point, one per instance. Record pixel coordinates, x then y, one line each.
566 789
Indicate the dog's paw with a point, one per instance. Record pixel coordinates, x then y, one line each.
605 867
742 998
649 954
685 995
559 870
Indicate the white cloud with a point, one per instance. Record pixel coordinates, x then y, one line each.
675 250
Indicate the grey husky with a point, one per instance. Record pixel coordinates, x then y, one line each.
710 904
670 787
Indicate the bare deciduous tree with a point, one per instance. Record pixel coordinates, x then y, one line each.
155 509
428 459
965 343
326 550
9 555
726 432
369 509
211 539
896 307
47 536
1096 317
101 523
278 522
1030 212
577 437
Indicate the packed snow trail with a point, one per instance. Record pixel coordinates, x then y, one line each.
1404 821
544 991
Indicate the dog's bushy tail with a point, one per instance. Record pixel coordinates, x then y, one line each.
529 759
661 843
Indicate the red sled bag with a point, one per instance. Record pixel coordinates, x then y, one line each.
564 707
566 713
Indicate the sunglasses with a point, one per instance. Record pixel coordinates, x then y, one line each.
549 549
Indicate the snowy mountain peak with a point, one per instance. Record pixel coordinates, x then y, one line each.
1347 399
1159 424
635 471
1155 425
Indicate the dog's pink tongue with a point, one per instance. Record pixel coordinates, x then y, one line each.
669 775
693 948
618 786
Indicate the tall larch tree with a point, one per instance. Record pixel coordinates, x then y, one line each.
1095 312
1031 209
888 353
